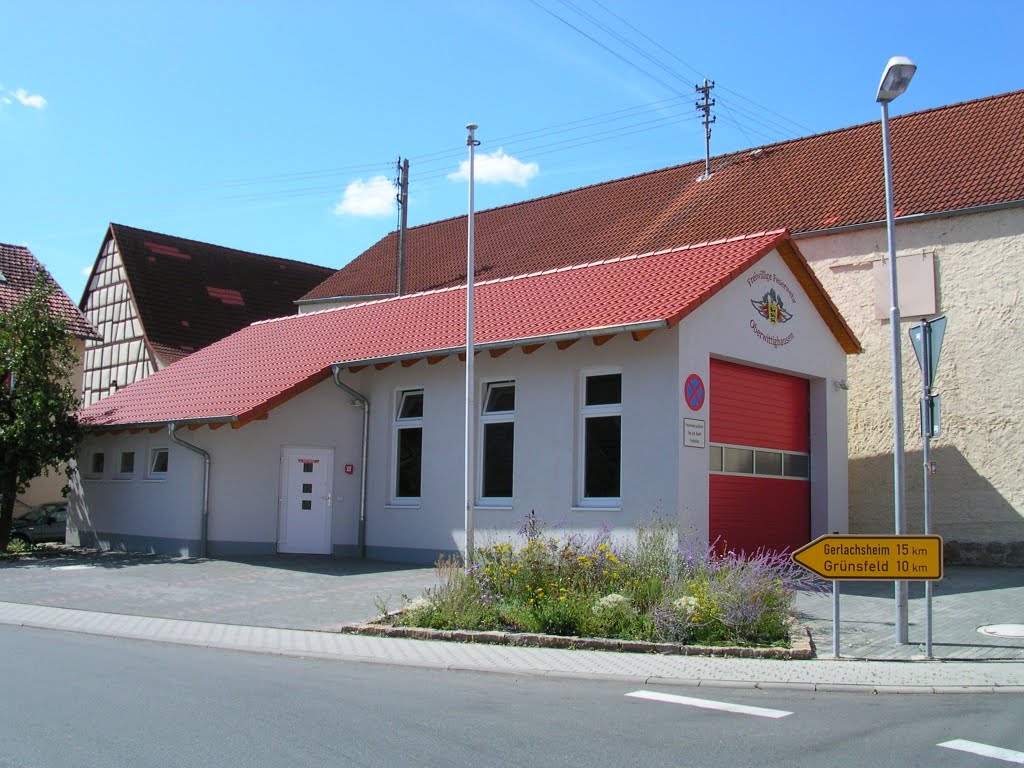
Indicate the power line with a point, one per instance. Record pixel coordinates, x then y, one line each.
613 52
697 72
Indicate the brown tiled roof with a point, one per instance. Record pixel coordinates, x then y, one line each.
18 268
190 294
945 159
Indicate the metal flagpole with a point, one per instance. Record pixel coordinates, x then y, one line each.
472 143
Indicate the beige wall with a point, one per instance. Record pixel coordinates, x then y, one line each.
978 488
48 487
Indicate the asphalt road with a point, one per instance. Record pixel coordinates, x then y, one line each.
74 700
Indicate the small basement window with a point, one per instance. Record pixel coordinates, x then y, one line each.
158 460
126 464
96 464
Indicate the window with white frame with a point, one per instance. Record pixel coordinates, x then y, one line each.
126 464
601 439
96 465
158 462
497 440
408 442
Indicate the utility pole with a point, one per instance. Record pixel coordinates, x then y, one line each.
705 106
403 219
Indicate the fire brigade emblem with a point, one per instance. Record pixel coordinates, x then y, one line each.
771 308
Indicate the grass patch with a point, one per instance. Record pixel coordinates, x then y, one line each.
655 589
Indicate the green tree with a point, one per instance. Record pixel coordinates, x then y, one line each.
38 429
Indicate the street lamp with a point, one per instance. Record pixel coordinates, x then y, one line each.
895 79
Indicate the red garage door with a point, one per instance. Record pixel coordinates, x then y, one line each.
759 482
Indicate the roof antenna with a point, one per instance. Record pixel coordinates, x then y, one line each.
403 220
705 106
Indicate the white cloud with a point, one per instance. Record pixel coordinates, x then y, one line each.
5 100
35 101
496 168
375 197
86 271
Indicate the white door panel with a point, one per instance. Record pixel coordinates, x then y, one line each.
307 478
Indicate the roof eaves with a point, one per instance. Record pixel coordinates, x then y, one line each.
159 423
819 297
584 333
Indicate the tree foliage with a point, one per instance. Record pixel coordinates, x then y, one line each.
38 429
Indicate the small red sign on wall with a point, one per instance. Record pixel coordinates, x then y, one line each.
349 469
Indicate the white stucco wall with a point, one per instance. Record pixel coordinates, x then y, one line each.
158 514
545 464
722 328
978 488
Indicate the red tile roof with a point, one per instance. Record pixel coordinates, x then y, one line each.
258 368
18 268
944 159
190 294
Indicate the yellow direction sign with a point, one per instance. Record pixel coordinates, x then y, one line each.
848 557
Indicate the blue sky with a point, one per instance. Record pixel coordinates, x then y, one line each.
274 126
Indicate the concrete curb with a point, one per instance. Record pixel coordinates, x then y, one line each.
691 671
801 647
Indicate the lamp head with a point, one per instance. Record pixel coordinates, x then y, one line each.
895 79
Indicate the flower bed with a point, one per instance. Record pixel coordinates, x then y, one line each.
651 593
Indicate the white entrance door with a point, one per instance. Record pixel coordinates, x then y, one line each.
307 482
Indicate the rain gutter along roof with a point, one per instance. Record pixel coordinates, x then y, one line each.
911 218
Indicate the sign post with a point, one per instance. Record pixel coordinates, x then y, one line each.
926 339
853 557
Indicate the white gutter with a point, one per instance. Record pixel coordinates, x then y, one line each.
204 525
365 401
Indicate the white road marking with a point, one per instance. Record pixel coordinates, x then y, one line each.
985 750
722 706
71 567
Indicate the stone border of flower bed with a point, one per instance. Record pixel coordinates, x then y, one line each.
801 646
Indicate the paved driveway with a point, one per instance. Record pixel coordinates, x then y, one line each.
323 593
291 592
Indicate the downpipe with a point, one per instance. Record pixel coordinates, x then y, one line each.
365 404
204 525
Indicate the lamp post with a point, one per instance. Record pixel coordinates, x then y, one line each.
895 80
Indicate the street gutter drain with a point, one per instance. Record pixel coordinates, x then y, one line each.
1003 630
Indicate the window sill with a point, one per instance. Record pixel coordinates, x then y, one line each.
401 506
497 507
597 508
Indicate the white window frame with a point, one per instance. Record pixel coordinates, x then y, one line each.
584 412
397 425
89 474
494 417
118 473
152 474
